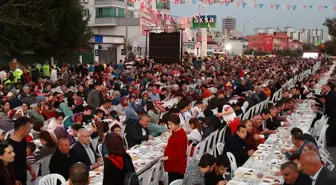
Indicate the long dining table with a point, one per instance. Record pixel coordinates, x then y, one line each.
143 157
261 167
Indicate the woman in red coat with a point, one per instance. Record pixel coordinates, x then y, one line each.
175 161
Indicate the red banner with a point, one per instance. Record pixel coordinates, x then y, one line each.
268 43
158 18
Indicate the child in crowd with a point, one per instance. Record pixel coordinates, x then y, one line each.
31 147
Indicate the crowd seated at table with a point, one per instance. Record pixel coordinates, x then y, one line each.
118 108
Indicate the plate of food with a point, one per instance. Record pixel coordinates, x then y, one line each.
242 171
258 152
269 180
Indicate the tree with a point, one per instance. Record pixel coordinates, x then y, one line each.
331 24
309 47
19 20
330 46
45 26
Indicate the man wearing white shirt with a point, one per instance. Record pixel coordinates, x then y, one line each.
312 165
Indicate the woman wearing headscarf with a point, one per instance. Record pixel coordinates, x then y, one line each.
68 115
121 107
79 107
57 122
62 132
118 163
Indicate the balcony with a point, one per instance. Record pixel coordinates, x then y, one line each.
163 6
105 21
115 21
112 3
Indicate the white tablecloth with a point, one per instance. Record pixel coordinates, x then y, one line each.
265 162
143 156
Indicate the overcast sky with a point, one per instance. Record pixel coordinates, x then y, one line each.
264 17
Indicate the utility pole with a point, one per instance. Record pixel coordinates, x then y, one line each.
126 21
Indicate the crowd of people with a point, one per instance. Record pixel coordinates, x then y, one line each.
59 110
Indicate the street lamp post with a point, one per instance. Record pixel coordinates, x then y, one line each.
244 26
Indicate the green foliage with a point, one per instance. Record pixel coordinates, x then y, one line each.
47 27
331 24
309 47
330 46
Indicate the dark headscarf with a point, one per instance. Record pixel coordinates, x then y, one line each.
114 144
62 132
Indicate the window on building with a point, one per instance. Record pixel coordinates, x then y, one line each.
86 12
121 13
109 12
254 39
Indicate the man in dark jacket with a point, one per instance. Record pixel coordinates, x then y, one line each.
35 74
60 162
262 95
330 111
272 123
95 98
312 166
84 152
136 131
292 176
236 144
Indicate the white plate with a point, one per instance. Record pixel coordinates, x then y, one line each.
234 182
242 170
273 162
277 152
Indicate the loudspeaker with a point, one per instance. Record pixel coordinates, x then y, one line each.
165 47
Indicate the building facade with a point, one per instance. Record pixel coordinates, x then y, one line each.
272 42
108 23
304 35
229 25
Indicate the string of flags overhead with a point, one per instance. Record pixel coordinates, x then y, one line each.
242 4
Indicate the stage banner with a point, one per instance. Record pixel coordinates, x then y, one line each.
147 20
206 21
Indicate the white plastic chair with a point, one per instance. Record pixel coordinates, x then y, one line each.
9 133
144 177
18 108
233 163
189 157
220 148
33 105
331 167
321 142
177 182
199 149
126 141
221 135
211 142
100 149
52 179
94 143
45 165
36 167
159 174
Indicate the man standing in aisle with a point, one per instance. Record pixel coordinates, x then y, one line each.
330 111
18 142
